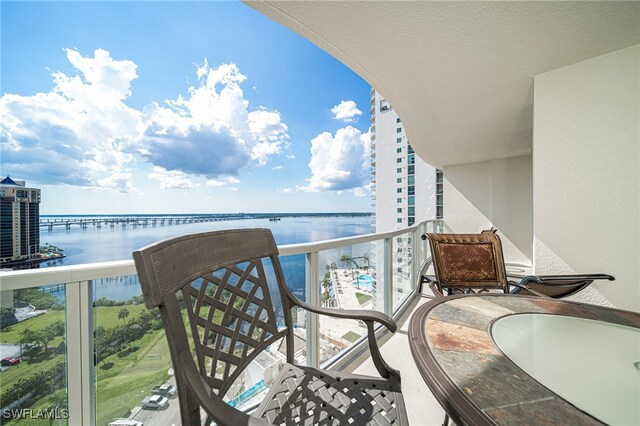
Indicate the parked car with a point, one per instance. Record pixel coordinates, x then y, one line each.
167 390
155 401
125 422
10 360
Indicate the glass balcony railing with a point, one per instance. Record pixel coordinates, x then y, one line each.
90 352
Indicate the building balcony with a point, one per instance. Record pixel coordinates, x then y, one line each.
103 357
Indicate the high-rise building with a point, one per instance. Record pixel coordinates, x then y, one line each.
19 220
405 190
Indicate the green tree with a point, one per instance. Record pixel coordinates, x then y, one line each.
28 337
55 329
123 314
43 338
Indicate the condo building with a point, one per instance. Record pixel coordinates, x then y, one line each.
19 220
404 189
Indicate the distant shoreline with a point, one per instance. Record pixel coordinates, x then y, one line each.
256 215
32 261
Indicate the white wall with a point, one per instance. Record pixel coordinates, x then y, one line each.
586 184
492 193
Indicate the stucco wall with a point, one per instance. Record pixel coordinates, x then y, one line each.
586 184
493 193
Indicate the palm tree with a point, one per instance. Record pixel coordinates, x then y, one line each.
123 314
366 259
326 282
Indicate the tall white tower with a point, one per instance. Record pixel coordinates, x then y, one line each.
405 189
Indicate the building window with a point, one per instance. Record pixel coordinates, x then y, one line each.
412 201
400 270
411 190
411 159
398 150
398 200
399 190
411 170
410 150
399 180
411 211
399 160
399 170
398 140
411 221
399 220
399 210
411 180
399 239
399 129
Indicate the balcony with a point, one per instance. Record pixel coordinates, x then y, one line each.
102 358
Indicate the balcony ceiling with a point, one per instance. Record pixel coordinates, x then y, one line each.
460 74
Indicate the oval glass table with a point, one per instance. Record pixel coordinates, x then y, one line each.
504 359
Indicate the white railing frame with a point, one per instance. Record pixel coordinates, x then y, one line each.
76 279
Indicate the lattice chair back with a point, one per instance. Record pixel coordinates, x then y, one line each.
226 281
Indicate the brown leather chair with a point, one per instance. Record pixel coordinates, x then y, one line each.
225 292
474 263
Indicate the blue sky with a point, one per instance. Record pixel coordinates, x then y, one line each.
177 107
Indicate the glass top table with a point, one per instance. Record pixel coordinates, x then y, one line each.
592 364
502 359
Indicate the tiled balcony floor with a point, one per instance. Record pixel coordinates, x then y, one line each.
422 407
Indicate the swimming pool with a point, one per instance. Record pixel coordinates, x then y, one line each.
364 282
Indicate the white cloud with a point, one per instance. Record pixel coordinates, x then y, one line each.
226 180
82 133
74 133
277 168
339 162
171 179
211 132
346 111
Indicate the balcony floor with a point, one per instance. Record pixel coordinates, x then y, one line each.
422 407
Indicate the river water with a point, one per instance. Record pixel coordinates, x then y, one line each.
105 244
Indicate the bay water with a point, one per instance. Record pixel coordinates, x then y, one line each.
105 244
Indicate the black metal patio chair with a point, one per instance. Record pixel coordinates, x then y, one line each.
225 291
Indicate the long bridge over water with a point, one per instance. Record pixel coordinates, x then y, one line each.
124 221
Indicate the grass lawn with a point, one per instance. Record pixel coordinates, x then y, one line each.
125 381
351 336
363 298
12 334
107 316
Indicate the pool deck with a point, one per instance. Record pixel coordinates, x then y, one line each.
336 334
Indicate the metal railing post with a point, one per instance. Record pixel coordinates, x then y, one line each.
79 337
313 298
388 276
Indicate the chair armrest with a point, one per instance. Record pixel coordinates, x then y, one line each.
544 279
369 317
522 286
558 281
356 314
